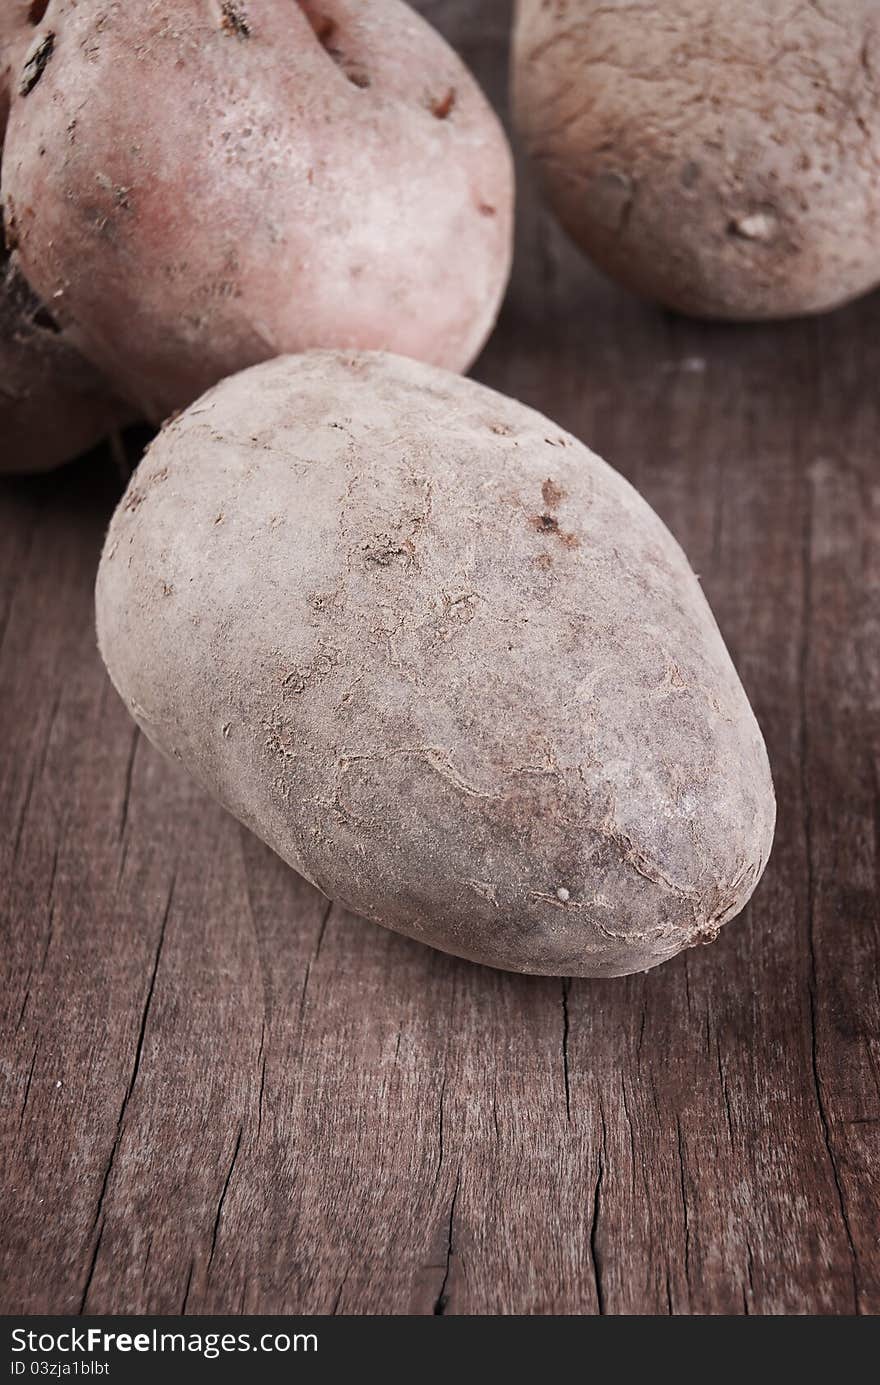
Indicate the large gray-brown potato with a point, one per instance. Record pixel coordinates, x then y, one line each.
444 660
723 159
197 185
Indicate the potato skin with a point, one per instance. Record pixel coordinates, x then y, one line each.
210 183
17 22
722 159
54 404
444 660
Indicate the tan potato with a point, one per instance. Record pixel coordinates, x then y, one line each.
207 183
444 660
722 159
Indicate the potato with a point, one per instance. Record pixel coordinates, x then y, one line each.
721 159
444 660
53 403
209 183
18 19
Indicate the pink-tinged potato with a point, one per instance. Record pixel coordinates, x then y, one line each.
208 184
18 19
54 404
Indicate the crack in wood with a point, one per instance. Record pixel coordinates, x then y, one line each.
129 772
185 1301
440 1130
225 1189
805 754
24 1003
90 1274
441 1302
595 1257
566 984
261 1059
27 1089
338 1299
314 957
684 1204
120 1123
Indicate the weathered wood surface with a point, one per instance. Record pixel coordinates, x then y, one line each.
220 1093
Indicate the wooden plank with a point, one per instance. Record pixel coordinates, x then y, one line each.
222 1094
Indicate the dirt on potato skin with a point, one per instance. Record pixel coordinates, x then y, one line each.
327 596
722 160
16 32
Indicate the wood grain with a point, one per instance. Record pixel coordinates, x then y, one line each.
222 1094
